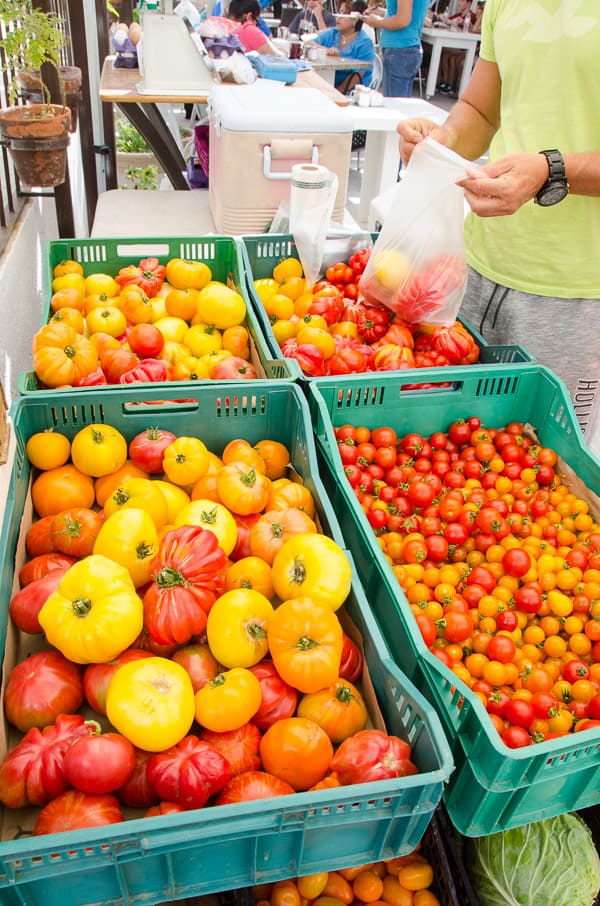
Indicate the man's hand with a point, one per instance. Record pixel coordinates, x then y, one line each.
503 186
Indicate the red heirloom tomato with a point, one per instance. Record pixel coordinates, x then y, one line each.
25 606
147 371
74 531
41 565
164 808
372 755
137 791
240 747
279 700
37 539
116 362
99 762
145 340
147 448
187 576
189 773
199 662
351 666
32 773
40 688
74 810
253 785
97 677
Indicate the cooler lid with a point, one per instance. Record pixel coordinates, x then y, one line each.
269 106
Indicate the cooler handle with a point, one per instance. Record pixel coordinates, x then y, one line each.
288 148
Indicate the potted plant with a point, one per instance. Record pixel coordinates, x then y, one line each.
37 134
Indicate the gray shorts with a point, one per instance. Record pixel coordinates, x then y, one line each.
562 334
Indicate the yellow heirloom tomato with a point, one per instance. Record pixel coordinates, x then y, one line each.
212 516
185 460
221 306
312 565
140 494
109 319
151 702
228 701
184 274
95 613
175 496
202 339
236 629
98 450
129 537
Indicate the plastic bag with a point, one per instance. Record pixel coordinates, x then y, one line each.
418 267
312 198
236 68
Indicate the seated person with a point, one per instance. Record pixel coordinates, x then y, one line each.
312 18
246 13
452 61
348 40
220 9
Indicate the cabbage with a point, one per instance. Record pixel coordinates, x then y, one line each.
547 863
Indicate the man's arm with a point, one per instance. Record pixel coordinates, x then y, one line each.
399 20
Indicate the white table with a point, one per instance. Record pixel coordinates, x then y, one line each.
382 154
457 40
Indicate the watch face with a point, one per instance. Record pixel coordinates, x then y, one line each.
552 194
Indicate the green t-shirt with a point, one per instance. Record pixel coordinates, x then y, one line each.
548 54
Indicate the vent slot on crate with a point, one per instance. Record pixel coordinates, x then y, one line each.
198 251
497 386
65 416
89 254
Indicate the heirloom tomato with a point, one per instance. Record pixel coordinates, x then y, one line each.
189 772
250 573
286 268
275 455
137 792
273 528
251 785
37 538
312 565
228 701
236 629
106 485
185 274
145 340
186 576
278 700
99 762
151 702
175 496
40 688
296 750
75 530
147 448
25 606
243 490
74 810
129 537
32 773
352 663
109 319
371 755
43 564
221 306
199 662
139 494
212 516
339 709
98 450
61 355
185 460
95 613
60 488
138 310
240 746
97 677
286 493
233 368
116 361
48 449
149 274
239 450
305 641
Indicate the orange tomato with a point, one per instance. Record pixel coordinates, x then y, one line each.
274 527
182 303
237 341
72 317
367 886
239 450
286 493
61 488
48 449
275 455
338 887
296 750
69 297
250 572
107 484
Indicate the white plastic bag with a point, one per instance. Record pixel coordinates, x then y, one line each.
312 198
418 267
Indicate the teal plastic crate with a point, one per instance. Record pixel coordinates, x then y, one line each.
223 254
262 253
493 787
147 861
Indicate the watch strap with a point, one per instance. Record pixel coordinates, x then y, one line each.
556 165
557 179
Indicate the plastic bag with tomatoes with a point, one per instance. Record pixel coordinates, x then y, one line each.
418 267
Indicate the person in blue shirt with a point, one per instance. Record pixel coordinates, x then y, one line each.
400 40
348 40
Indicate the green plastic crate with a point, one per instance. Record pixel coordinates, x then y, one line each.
146 861
223 254
261 254
493 787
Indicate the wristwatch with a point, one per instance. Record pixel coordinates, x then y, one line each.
556 186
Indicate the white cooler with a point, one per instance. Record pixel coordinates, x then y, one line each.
257 133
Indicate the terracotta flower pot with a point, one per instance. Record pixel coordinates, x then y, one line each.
32 90
37 137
